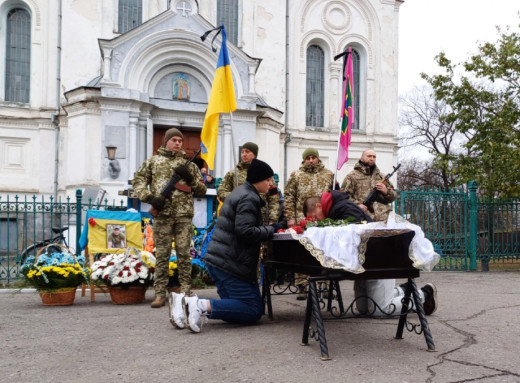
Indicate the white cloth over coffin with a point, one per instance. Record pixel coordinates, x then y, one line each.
338 246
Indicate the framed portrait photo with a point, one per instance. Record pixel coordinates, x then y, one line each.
116 236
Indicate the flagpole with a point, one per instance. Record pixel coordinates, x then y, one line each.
221 100
342 107
233 148
346 110
337 156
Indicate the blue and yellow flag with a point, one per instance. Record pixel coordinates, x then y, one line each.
221 100
101 226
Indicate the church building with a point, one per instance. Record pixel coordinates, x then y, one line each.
82 80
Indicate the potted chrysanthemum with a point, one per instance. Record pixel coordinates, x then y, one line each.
56 273
126 275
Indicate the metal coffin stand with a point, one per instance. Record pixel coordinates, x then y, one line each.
386 257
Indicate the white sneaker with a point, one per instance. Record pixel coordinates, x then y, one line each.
176 310
192 313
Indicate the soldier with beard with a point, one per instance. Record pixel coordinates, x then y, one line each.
358 184
312 178
365 177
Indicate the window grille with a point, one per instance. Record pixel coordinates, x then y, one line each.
227 13
315 86
130 14
18 56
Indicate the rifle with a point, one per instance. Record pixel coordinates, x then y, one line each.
167 191
375 195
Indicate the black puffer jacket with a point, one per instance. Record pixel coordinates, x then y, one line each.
235 244
342 208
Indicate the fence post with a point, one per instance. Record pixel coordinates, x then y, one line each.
78 219
473 210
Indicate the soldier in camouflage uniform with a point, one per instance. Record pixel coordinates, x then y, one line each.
270 212
311 179
175 215
116 240
365 177
358 184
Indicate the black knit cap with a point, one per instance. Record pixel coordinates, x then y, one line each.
258 171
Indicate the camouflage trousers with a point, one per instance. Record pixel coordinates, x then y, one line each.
165 229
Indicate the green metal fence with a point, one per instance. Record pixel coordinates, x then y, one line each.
465 230
498 235
29 220
443 218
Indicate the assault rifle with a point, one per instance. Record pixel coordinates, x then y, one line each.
375 195
174 184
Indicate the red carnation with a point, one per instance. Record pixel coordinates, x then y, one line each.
92 221
297 229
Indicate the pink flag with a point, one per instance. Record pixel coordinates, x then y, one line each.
347 111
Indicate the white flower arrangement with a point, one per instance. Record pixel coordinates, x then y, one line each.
122 269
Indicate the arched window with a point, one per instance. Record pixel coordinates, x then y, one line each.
18 56
315 86
227 13
356 67
130 15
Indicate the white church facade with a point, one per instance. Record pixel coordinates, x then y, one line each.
78 76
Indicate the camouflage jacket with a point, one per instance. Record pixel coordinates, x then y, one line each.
271 199
156 172
307 181
360 182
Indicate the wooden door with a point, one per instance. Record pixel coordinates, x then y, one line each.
190 140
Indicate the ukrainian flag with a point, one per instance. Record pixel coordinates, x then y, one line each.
221 100
97 228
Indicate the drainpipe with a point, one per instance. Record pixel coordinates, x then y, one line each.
288 138
55 116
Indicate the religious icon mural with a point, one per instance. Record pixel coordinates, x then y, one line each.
181 86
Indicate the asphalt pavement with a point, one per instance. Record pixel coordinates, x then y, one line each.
476 331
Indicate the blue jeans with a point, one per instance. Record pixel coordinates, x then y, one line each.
240 300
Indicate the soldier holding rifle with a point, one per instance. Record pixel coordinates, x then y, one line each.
172 216
366 177
359 184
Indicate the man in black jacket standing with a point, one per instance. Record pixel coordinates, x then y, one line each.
232 256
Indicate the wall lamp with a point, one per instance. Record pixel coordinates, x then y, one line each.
113 166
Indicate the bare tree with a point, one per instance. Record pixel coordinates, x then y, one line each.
423 127
416 173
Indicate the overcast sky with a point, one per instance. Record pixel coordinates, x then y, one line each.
427 27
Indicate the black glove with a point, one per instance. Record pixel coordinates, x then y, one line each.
157 202
184 172
276 226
